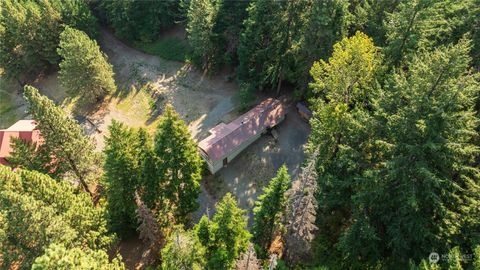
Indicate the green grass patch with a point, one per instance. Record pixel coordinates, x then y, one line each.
170 48
8 111
137 107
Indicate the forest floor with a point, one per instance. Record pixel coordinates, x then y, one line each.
145 83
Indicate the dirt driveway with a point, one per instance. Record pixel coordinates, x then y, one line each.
249 172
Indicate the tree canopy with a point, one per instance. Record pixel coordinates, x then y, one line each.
73 151
84 70
37 211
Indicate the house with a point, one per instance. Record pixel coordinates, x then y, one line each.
23 129
226 141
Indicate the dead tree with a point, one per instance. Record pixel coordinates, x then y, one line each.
148 229
248 260
301 213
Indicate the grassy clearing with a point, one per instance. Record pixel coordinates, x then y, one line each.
169 48
137 107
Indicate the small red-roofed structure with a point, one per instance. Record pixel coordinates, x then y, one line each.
23 129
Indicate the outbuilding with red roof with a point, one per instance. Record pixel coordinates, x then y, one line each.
23 129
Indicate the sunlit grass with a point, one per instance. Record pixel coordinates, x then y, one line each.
137 107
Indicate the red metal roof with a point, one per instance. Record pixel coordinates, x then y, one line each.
224 138
23 129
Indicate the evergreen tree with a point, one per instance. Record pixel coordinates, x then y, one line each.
84 70
148 230
30 31
325 24
214 29
33 27
63 137
228 25
201 15
38 211
426 24
406 187
178 168
269 208
122 171
476 260
341 137
183 251
257 45
33 157
368 16
265 44
58 257
226 236
140 20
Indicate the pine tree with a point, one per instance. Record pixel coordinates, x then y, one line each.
140 20
226 32
38 211
58 257
33 157
84 70
325 23
200 16
342 139
178 168
258 42
476 261
183 251
405 186
122 170
225 237
34 26
265 50
148 229
63 137
269 208
426 24
368 16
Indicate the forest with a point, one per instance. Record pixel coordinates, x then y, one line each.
389 174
